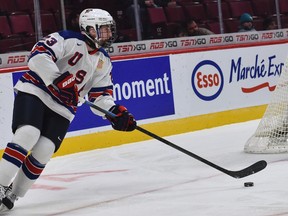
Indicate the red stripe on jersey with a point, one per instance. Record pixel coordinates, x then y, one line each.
94 95
28 77
42 49
39 48
109 91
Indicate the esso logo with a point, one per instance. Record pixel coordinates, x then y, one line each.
207 80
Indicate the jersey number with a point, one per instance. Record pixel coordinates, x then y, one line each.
50 40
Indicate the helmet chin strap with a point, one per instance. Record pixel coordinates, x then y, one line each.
90 42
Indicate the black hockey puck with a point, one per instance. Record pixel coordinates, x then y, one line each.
248 184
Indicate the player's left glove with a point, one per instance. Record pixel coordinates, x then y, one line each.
124 120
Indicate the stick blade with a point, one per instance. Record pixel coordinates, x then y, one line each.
254 168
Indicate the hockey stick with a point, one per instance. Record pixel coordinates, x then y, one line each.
254 168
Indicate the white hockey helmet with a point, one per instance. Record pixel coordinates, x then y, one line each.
96 18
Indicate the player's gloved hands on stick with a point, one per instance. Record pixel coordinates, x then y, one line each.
65 88
124 121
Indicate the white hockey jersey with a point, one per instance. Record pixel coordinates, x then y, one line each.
66 51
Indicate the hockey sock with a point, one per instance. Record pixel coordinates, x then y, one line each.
33 165
31 170
15 154
12 159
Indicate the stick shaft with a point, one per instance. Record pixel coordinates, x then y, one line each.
258 166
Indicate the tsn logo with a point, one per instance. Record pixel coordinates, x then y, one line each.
16 59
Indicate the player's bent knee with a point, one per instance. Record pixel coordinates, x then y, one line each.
43 150
26 136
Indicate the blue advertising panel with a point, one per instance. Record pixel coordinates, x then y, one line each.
144 86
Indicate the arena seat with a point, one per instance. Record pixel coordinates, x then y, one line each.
130 34
258 23
208 1
21 23
214 27
263 8
5 29
283 6
237 8
231 25
156 15
111 6
25 5
50 5
195 11
48 22
7 6
187 2
212 10
158 22
284 21
175 14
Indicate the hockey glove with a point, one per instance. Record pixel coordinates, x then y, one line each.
65 89
124 121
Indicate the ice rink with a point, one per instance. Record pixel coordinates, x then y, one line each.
152 179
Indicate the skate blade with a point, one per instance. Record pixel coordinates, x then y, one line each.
3 208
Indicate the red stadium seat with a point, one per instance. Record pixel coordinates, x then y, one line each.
7 6
131 33
48 22
157 15
237 8
21 23
283 6
231 25
25 5
175 19
284 21
175 14
158 22
111 6
258 23
214 27
5 29
50 5
212 10
263 8
183 2
195 11
209 1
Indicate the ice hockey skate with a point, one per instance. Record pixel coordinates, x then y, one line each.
8 201
2 193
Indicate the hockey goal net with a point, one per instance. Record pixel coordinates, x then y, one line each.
271 135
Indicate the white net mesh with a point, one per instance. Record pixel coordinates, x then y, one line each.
271 135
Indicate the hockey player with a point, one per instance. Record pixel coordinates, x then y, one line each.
62 67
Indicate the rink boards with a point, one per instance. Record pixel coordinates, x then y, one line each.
170 93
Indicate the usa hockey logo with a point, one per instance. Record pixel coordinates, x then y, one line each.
207 80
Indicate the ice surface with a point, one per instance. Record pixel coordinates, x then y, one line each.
151 178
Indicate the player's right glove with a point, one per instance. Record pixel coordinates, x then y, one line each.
65 89
124 120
